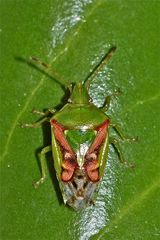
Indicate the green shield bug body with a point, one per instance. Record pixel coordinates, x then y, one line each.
80 140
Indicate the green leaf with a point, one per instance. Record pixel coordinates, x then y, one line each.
72 36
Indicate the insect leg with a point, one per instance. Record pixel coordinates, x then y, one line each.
121 158
121 134
115 144
51 110
106 104
42 164
40 113
46 113
34 125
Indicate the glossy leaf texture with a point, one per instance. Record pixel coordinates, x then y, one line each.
72 36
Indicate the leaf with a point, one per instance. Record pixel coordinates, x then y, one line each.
72 36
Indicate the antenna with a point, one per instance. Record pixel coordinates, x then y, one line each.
50 70
99 66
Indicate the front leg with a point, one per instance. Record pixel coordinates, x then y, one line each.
45 114
35 124
106 104
107 101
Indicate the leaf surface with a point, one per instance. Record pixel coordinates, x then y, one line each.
72 37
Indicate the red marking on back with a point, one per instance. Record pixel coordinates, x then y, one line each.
91 159
57 124
101 134
59 134
91 167
105 124
69 157
68 170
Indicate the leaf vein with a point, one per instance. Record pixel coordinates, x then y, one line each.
142 102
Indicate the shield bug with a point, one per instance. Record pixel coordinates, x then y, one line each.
80 140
